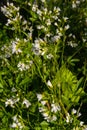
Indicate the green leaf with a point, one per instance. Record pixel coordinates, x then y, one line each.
37 128
69 85
65 100
26 80
4 119
3 128
34 16
72 61
44 124
79 82
1 88
1 114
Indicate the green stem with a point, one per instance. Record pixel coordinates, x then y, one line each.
63 48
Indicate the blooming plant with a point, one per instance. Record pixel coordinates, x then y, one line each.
43 70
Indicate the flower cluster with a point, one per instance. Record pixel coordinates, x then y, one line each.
15 46
76 3
38 47
47 109
16 99
17 123
26 103
15 20
22 66
70 118
12 101
10 9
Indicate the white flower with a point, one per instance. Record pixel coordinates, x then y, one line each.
45 114
39 97
41 109
9 10
56 24
12 101
39 12
24 22
77 2
43 1
15 46
26 102
36 47
81 123
30 35
72 44
56 9
47 118
45 10
48 34
54 118
48 22
84 40
39 27
16 100
22 66
59 33
55 107
55 38
65 19
49 84
3 9
70 35
20 125
14 125
13 89
79 114
49 56
8 22
9 102
55 17
74 5
34 7
15 119
29 3
74 111
67 27
68 118
43 102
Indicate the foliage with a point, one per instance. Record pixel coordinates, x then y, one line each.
43 65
